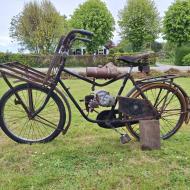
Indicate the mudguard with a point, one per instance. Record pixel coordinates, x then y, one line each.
62 95
187 100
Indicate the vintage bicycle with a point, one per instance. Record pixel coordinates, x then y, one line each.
37 110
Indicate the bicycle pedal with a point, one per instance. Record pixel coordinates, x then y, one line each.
125 139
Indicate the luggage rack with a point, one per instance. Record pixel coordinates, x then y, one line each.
164 78
30 75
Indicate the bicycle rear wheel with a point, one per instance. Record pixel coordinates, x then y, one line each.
172 113
16 123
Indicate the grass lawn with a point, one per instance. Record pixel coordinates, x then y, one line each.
91 158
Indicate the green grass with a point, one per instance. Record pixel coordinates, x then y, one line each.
91 158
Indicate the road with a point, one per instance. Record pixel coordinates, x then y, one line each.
158 67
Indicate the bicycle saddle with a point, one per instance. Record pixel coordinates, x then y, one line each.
137 60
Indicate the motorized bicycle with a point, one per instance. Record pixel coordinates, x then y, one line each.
38 111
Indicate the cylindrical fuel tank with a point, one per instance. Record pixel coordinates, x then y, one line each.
107 71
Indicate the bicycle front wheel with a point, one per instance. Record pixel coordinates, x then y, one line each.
169 102
17 124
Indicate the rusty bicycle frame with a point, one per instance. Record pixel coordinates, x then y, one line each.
53 77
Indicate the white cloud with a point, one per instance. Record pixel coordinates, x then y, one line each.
6 44
5 41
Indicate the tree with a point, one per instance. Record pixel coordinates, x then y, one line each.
38 27
156 46
177 23
139 22
94 16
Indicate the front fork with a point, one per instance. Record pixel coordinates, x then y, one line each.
29 109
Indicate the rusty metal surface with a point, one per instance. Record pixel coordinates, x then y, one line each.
136 108
107 71
187 118
68 112
162 78
25 73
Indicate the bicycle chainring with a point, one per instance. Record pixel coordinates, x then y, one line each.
104 116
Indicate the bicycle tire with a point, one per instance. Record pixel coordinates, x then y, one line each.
54 99
165 134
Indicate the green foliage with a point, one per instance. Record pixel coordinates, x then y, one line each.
156 46
181 52
139 22
123 46
186 60
43 61
94 16
169 48
177 22
38 27
31 60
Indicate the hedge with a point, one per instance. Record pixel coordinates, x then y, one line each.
186 60
181 52
42 61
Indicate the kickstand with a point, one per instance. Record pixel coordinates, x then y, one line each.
124 138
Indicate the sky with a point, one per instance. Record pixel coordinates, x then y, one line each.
10 8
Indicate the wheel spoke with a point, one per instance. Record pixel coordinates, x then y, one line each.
19 124
169 103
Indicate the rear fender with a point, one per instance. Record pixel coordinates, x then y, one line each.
187 100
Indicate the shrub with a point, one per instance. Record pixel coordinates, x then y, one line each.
41 61
44 60
180 53
186 60
156 46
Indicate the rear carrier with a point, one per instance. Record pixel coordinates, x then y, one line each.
164 78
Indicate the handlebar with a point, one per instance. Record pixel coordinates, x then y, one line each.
83 32
65 42
59 44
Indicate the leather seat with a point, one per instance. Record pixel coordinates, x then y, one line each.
137 60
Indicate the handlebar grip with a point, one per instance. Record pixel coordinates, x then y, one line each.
72 35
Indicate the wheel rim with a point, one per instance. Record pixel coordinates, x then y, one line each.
172 113
32 130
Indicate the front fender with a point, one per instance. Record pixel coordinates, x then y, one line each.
60 93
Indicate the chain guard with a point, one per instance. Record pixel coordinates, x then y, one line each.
104 116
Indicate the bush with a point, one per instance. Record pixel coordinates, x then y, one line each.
42 61
186 60
181 52
156 46
26 59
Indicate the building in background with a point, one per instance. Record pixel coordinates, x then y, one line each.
82 51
